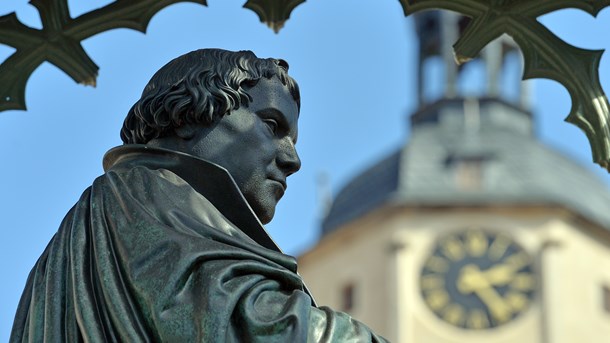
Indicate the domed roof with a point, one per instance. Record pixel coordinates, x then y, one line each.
472 153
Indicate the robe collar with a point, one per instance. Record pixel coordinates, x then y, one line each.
208 179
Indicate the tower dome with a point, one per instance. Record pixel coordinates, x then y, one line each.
472 153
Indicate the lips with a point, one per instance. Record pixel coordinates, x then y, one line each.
282 183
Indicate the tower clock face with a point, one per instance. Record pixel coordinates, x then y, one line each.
476 279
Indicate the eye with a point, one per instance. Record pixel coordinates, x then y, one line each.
271 124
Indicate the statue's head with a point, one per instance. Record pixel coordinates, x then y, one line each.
198 88
230 108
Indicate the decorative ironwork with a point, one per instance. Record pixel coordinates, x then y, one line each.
274 13
546 55
59 40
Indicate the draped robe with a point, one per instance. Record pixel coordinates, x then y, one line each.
163 247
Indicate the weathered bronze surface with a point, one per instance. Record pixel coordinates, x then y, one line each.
546 55
168 245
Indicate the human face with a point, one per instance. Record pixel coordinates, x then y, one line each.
256 144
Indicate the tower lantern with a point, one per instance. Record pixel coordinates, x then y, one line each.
437 31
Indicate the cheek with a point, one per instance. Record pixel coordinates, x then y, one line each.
252 150
254 167
259 145
250 165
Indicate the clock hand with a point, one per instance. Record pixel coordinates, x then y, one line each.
499 275
469 279
494 301
472 280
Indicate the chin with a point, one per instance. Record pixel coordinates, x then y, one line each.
265 218
264 213
264 208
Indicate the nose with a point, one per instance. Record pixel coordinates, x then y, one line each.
288 159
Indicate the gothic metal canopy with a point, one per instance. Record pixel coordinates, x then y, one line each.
546 55
59 40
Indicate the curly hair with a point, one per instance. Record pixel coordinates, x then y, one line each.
198 88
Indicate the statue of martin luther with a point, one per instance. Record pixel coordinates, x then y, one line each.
168 245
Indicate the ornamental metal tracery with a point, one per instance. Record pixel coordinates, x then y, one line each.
546 55
59 40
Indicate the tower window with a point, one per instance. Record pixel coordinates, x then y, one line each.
468 170
347 297
469 174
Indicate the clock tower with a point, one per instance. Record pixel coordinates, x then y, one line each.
474 231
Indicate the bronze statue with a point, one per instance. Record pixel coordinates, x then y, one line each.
168 245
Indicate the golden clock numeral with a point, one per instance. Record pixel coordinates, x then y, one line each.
517 301
453 249
498 247
518 260
454 314
476 243
523 281
437 299
437 264
432 282
477 319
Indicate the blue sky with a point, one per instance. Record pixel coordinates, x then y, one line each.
354 61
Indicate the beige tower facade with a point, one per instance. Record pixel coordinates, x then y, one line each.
473 231
374 269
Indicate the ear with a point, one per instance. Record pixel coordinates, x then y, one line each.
186 131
